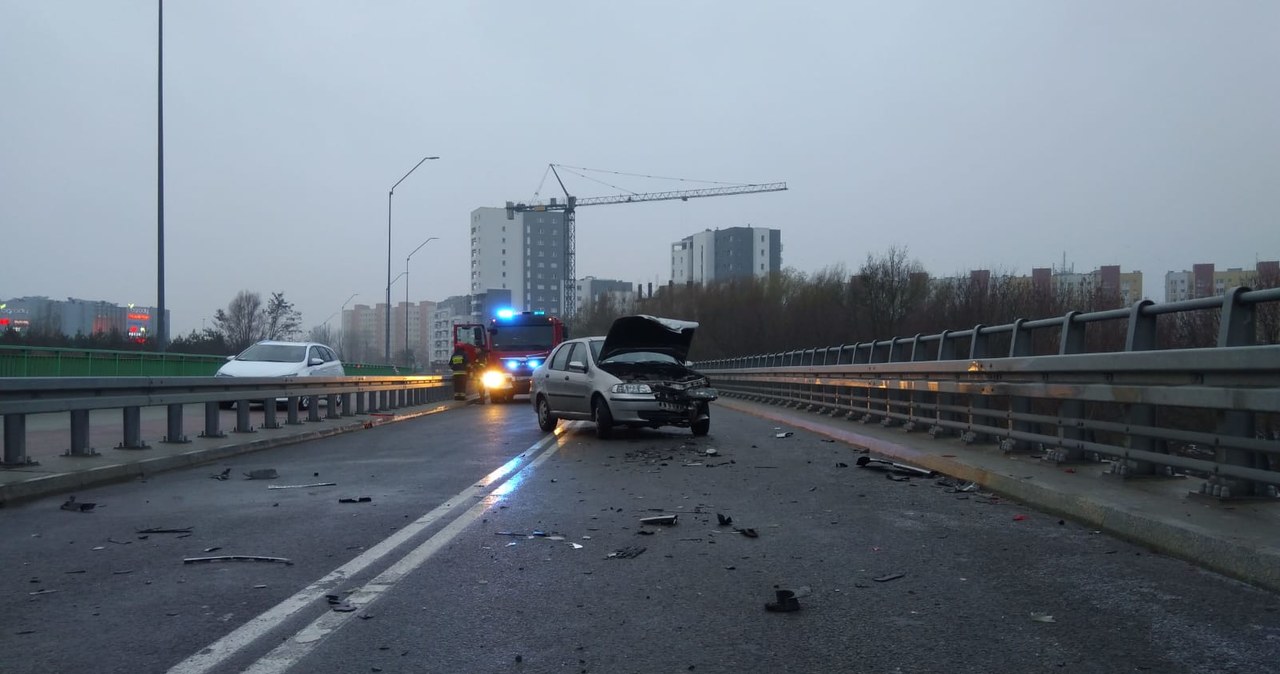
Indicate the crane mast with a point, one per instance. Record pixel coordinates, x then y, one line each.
571 203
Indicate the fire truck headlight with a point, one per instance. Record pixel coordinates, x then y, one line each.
493 379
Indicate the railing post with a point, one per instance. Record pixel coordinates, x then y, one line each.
1020 346
80 434
291 411
362 402
313 408
331 402
243 424
133 429
346 405
212 415
1140 336
15 440
946 351
1070 411
979 348
269 414
1238 327
174 419
892 397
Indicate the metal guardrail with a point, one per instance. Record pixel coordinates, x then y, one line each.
1212 412
343 396
41 361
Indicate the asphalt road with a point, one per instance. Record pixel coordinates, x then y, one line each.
443 575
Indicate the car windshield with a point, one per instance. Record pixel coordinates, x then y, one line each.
530 337
274 353
640 357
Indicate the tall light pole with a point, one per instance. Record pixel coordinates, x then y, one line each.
162 329
406 290
386 352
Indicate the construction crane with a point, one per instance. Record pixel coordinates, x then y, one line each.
572 203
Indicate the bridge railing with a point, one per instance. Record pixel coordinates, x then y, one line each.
42 361
1209 412
78 396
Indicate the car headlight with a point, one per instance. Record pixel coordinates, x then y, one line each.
493 379
632 388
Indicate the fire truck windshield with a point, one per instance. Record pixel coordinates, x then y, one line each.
528 337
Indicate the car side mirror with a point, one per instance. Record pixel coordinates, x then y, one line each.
230 358
577 366
316 361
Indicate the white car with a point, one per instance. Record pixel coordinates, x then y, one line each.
283 359
636 376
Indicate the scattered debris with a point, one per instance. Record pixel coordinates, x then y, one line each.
749 533
898 478
259 587
80 507
99 548
40 592
122 573
224 475
644 532
237 558
889 466
786 602
629 552
841 464
887 578
1019 518
22 632
576 546
711 451
725 520
344 608
786 434
112 540
660 519
160 530
302 486
76 571
362 499
213 549
1042 618
262 474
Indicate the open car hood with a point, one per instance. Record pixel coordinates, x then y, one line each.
649 333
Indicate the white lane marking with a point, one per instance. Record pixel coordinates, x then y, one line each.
215 654
291 651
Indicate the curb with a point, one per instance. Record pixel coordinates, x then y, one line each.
48 485
1250 563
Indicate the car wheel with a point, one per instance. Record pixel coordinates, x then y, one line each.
304 403
702 425
546 420
603 418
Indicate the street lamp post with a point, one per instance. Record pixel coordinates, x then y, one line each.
406 291
387 332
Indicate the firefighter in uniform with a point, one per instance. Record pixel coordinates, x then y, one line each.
461 362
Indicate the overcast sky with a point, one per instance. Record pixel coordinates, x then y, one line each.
977 134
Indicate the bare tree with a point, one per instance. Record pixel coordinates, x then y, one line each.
242 323
282 320
321 333
886 289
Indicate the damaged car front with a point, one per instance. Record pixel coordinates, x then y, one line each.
635 376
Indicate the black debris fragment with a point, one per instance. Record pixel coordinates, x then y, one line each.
237 558
224 475
889 577
898 478
786 602
629 552
841 464
161 530
362 499
77 506
725 520
644 532
749 533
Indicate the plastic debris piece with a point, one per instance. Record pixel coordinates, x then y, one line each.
889 577
629 552
644 532
77 506
1019 518
512 544
262 474
224 475
259 587
659 519
749 533
785 602
787 434
889 466
213 549
99 548
576 546
841 464
711 451
555 538
725 520
122 573
1042 618
162 530
237 558
344 607
898 478
302 486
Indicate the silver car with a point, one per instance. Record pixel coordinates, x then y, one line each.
635 376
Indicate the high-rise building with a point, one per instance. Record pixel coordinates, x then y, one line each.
592 289
524 255
722 254
1204 281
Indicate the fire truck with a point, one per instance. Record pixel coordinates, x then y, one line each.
517 343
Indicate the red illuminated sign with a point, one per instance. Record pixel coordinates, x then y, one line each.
139 317
4 321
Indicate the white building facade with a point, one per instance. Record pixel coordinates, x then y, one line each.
524 255
722 254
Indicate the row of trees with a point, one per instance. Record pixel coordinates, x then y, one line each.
890 295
